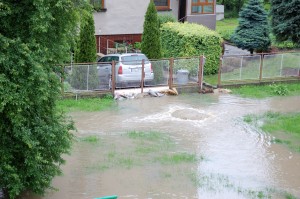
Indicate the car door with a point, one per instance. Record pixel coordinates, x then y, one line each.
104 69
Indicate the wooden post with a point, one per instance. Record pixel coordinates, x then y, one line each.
113 77
143 76
170 82
219 73
200 73
261 67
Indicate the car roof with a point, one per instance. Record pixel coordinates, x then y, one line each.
123 54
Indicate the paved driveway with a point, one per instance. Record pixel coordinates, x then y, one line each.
233 50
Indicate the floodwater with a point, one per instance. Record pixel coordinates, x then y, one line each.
234 159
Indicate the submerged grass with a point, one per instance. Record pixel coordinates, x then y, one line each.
285 127
88 104
149 136
287 123
178 158
139 149
263 91
90 139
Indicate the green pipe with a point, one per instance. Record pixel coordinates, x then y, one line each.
108 197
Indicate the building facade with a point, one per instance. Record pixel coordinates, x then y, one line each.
120 21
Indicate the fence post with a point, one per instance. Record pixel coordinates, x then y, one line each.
219 73
87 77
261 66
200 72
170 82
113 77
143 76
281 65
241 68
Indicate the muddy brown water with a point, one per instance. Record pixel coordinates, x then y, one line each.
234 159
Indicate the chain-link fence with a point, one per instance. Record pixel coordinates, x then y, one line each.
86 77
131 74
259 67
281 65
185 70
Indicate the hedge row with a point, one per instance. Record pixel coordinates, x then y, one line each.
188 39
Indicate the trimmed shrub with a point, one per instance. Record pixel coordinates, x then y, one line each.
187 39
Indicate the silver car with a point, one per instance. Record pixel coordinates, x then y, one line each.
128 69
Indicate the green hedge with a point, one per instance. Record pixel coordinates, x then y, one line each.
187 39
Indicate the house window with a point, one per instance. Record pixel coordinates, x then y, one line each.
97 4
162 4
203 6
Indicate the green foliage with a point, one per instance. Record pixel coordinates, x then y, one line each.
264 91
285 20
151 44
279 89
164 18
232 7
137 45
288 44
186 40
87 40
253 30
34 135
96 4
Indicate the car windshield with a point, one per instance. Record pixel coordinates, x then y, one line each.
134 59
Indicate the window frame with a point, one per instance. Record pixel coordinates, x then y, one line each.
202 4
160 8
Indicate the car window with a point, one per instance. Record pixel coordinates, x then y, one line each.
109 59
103 59
134 59
112 58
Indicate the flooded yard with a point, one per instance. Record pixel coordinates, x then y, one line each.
188 146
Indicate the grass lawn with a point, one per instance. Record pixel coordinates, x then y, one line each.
211 79
270 90
226 27
88 104
284 127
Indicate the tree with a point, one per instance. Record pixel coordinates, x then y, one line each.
87 40
285 20
252 32
34 134
84 77
151 44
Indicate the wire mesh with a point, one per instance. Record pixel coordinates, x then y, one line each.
185 70
160 73
240 68
84 77
281 65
